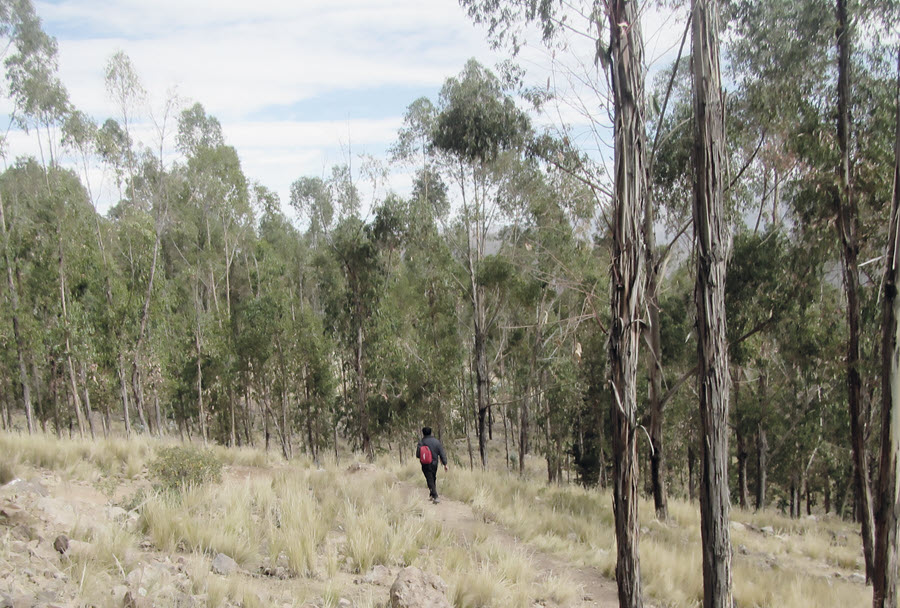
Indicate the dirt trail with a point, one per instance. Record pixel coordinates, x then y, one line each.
597 590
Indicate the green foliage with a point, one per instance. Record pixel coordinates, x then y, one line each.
477 121
175 468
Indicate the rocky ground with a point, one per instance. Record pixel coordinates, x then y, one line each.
42 515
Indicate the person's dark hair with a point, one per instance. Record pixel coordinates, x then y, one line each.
426 431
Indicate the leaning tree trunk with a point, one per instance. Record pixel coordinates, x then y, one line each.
847 226
888 520
137 388
627 286
712 241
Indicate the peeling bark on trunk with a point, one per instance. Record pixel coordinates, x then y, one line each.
713 243
627 285
848 232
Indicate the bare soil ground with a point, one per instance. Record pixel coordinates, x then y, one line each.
595 589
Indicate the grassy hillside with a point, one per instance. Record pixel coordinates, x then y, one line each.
302 535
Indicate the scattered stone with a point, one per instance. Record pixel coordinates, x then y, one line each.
742 549
738 526
6 601
116 513
18 546
376 575
857 578
135 577
129 601
224 565
77 547
20 486
345 603
61 544
414 588
645 530
768 530
24 532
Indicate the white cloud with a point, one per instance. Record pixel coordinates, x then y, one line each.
251 64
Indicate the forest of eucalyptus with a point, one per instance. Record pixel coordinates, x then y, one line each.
526 289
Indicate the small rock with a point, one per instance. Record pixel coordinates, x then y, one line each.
27 487
116 513
129 601
738 526
135 577
375 575
6 601
768 530
61 544
743 550
857 578
18 546
77 547
345 603
24 533
119 591
645 530
224 565
414 588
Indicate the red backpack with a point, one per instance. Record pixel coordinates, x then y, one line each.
425 455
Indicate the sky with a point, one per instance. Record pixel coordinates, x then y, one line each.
298 85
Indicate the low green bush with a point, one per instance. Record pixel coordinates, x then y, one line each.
177 467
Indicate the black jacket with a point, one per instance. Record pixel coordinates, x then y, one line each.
437 450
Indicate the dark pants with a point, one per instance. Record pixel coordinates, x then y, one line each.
430 471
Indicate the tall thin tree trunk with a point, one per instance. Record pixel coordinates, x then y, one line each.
70 368
13 296
655 372
887 523
136 371
361 394
762 448
848 231
201 412
87 400
740 437
713 244
627 285
123 390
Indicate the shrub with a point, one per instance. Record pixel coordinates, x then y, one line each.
176 467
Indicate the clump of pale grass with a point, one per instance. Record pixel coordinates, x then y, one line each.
331 595
478 588
562 590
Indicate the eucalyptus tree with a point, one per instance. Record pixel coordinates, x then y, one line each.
40 101
713 243
887 501
477 131
214 219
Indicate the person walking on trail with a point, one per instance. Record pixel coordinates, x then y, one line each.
428 452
